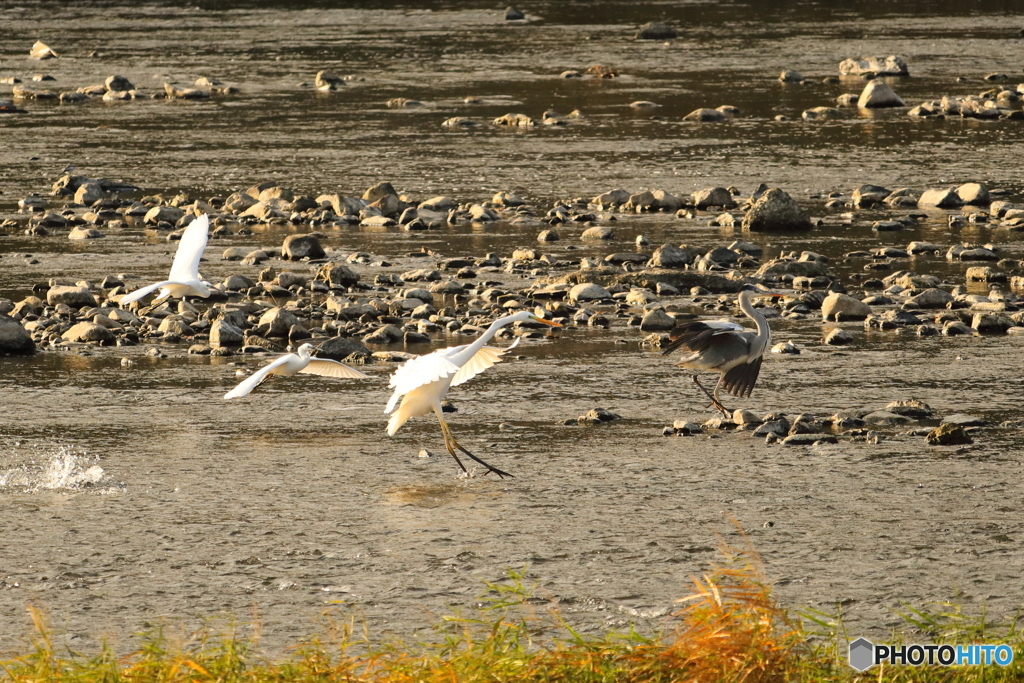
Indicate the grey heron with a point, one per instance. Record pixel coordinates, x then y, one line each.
726 348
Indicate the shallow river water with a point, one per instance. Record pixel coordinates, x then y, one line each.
135 496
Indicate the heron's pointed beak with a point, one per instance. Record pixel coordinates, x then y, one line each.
546 322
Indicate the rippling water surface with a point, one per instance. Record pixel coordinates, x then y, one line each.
133 496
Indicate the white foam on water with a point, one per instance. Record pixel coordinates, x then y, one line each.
68 469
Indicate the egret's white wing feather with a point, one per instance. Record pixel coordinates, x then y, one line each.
190 250
331 368
392 402
140 293
481 360
251 382
422 370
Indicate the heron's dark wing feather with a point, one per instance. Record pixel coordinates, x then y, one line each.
693 337
740 380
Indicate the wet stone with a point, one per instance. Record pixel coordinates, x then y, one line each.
949 435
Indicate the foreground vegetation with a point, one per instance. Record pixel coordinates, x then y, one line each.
729 629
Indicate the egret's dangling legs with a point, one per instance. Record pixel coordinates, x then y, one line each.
451 444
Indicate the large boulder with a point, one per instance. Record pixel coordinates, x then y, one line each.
337 275
14 339
776 210
929 298
705 115
874 66
877 94
297 247
340 348
223 333
657 320
941 199
73 296
713 196
838 306
669 256
276 322
588 291
655 30
974 194
89 332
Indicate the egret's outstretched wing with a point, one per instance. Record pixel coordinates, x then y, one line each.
331 368
139 293
190 250
481 360
422 370
253 380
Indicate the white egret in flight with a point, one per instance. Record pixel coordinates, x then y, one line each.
184 279
292 364
422 382
726 348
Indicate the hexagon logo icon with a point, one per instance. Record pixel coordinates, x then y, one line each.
862 654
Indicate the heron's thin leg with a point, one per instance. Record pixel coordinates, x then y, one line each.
714 399
449 442
717 403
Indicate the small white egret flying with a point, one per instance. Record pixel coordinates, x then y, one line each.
292 364
184 279
725 347
422 382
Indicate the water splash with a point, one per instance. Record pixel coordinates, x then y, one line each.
68 469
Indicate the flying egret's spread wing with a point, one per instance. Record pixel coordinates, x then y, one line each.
140 293
481 360
253 381
331 368
741 379
422 370
190 250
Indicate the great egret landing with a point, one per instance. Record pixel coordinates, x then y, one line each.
422 382
292 364
726 348
184 279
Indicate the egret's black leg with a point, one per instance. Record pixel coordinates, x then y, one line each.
450 442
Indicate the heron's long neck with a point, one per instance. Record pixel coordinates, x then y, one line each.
764 333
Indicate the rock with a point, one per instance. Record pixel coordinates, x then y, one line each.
884 417
949 435
297 247
597 416
119 83
955 328
73 296
808 439
778 427
422 275
548 236
838 306
337 275
41 50
911 408
742 416
89 332
89 193
790 76
588 291
713 196
877 94
942 199
340 348
823 114
929 298
514 14
918 247
14 339
974 194
669 256
611 198
989 323
598 232
874 66
276 322
984 274
838 337
223 333
776 210
387 334
705 115
81 233
786 347
657 319
176 325
163 214
654 30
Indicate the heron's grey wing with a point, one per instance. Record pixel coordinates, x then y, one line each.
481 360
740 380
190 250
331 368
693 337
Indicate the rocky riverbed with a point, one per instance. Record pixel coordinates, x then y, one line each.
874 465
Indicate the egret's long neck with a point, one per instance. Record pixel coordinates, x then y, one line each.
487 336
764 333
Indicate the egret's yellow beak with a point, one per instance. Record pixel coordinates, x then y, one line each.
546 322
